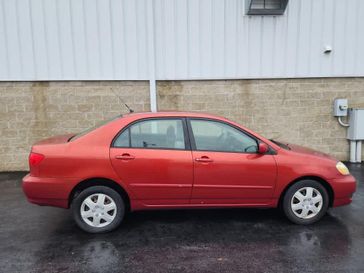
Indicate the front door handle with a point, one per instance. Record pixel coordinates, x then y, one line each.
125 156
204 159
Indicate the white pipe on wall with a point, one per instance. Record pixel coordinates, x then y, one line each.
358 151
153 95
152 56
352 151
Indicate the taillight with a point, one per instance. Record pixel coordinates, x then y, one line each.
34 160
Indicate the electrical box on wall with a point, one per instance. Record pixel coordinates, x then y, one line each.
340 108
356 124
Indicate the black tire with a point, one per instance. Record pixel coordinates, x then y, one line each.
77 203
286 204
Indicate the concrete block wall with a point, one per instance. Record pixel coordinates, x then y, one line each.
30 111
294 110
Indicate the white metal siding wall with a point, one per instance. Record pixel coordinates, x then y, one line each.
73 40
177 39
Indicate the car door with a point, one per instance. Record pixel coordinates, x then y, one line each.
227 167
154 159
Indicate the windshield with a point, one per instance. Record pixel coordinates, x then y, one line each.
98 125
280 144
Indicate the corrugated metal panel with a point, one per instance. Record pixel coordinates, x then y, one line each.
73 40
223 42
177 39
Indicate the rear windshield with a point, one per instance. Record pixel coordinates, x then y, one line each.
280 144
98 125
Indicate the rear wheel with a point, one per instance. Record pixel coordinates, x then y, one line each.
305 202
98 209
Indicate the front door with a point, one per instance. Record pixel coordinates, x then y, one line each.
227 167
151 156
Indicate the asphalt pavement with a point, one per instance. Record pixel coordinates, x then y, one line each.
45 239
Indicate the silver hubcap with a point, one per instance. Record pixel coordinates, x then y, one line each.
98 210
306 203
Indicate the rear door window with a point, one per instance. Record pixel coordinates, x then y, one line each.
153 134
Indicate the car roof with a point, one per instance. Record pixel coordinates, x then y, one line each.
173 114
130 117
141 115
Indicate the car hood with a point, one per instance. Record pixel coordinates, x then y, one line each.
304 150
55 140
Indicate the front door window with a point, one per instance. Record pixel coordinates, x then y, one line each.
220 137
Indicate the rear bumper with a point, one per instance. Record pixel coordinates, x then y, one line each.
344 189
48 191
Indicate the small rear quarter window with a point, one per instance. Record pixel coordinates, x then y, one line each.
122 140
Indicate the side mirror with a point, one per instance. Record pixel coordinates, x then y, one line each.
262 148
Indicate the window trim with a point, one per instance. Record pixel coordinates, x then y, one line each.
128 126
193 142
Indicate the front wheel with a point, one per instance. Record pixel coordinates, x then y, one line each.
305 202
98 209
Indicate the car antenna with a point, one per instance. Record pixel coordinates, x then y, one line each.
121 100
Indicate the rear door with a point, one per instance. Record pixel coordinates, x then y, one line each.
227 167
153 157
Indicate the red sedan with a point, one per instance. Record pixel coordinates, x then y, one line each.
170 160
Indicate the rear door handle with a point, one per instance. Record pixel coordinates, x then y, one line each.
125 157
204 159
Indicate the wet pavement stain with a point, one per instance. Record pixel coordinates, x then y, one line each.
44 239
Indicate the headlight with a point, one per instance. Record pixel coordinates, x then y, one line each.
342 168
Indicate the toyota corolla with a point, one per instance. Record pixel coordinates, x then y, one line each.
170 160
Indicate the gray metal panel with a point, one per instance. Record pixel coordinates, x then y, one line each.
177 39
356 124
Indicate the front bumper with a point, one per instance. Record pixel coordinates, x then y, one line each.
48 191
344 188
